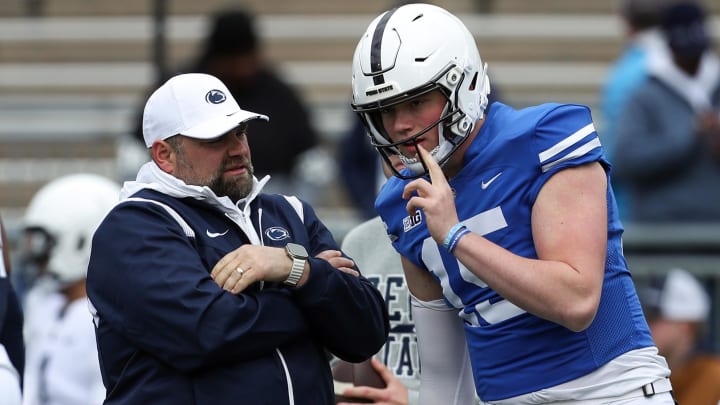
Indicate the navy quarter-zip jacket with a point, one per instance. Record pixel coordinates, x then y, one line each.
167 334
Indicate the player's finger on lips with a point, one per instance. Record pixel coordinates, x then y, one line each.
433 167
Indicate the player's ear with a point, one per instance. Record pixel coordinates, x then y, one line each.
164 155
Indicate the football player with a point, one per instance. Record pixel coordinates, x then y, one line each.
62 361
507 216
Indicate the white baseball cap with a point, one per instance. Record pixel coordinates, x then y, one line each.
681 297
196 105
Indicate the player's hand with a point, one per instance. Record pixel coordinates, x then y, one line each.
435 198
340 262
395 393
249 264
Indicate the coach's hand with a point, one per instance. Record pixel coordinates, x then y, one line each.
251 263
340 262
435 198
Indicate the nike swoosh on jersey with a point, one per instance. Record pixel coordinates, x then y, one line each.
215 234
486 184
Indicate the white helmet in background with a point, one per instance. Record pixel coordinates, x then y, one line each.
67 211
410 51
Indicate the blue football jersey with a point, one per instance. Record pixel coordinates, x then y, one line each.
512 351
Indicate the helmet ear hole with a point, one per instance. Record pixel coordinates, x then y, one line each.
473 82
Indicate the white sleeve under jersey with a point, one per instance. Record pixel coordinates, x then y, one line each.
446 376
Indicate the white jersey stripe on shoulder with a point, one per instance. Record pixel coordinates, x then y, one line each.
566 143
592 144
184 225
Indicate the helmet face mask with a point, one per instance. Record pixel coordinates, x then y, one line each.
385 145
410 51
37 243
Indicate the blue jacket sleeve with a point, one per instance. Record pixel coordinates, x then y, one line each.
347 313
146 281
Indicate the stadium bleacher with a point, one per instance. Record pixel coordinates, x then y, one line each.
72 72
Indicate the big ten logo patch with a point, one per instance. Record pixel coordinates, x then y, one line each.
400 350
412 221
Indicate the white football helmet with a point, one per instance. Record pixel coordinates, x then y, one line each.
67 211
409 51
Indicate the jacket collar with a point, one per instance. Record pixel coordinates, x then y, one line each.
696 90
150 176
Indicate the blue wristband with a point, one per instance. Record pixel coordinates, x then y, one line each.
456 238
451 233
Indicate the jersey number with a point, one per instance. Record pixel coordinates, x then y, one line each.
484 312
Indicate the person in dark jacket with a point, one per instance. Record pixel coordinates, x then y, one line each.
204 289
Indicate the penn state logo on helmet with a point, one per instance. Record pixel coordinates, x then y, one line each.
215 96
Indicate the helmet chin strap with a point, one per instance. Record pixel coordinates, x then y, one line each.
414 164
439 152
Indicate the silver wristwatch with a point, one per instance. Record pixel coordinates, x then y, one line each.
299 256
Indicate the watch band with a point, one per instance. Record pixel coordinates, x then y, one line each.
299 256
298 267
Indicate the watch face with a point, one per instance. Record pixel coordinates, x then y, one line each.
296 250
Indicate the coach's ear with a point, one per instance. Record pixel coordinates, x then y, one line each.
164 155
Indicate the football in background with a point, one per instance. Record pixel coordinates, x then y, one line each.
346 374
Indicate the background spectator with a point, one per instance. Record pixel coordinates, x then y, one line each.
640 20
677 308
668 140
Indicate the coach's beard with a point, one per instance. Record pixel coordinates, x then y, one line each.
236 187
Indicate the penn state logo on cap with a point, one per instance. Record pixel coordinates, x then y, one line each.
215 96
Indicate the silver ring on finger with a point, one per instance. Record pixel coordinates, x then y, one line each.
240 271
